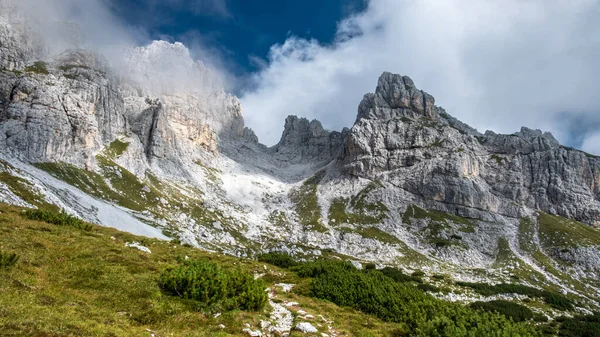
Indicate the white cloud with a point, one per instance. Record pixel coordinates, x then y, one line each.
495 64
158 67
591 143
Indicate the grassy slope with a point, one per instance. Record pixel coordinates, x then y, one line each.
70 282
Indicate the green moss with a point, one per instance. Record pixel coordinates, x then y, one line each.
306 203
38 67
556 231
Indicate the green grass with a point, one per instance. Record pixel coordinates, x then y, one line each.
440 222
554 299
8 260
23 189
356 210
38 67
306 203
378 234
116 148
556 231
70 282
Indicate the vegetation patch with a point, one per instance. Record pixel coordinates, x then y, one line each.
499 159
306 203
515 311
38 67
8 260
416 212
556 231
580 326
555 300
419 314
356 210
23 189
399 276
440 222
61 218
116 148
214 287
278 259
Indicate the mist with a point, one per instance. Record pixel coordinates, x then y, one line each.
155 67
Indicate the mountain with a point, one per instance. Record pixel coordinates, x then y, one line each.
407 185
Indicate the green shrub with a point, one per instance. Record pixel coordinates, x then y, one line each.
61 218
319 267
213 286
8 260
418 273
278 259
398 276
418 313
580 326
428 287
517 312
555 300
370 266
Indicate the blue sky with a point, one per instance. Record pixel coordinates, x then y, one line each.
241 32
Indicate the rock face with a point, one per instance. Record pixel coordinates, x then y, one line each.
303 141
60 111
400 136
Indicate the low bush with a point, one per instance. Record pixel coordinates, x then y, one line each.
214 287
61 218
398 276
278 259
517 312
580 326
555 300
419 314
8 260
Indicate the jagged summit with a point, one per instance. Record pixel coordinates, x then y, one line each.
304 141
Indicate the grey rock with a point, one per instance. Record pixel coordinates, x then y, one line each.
427 153
303 141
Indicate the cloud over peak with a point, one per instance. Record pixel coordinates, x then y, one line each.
494 64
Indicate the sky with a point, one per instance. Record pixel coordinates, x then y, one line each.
494 64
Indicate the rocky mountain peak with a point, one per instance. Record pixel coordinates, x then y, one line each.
397 96
303 140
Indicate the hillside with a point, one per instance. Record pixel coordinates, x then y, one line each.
72 281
